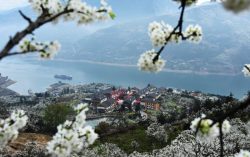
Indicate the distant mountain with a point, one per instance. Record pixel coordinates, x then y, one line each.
125 10
225 46
128 10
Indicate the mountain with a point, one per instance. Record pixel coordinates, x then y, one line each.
224 48
69 32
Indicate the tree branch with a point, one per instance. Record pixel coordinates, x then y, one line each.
40 21
178 26
25 17
221 140
44 18
238 107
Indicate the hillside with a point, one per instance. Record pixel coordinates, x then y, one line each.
224 47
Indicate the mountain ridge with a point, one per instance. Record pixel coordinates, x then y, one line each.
223 49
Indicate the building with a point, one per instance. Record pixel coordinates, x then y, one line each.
150 104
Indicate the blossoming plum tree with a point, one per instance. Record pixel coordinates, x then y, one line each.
53 11
10 126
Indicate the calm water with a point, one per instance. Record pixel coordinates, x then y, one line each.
38 76
95 122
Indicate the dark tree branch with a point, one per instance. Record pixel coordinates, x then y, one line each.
237 107
23 52
220 119
41 20
247 68
221 140
25 17
174 31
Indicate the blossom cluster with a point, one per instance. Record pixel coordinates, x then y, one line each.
144 116
193 33
72 136
103 150
74 10
69 10
47 50
243 153
9 127
157 131
205 128
246 70
53 6
186 144
146 63
161 34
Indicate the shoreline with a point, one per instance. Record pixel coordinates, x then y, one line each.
135 66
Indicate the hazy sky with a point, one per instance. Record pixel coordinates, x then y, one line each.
11 4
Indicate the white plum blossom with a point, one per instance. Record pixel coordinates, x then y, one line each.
158 38
9 127
160 35
246 70
53 6
103 150
46 49
36 5
226 126
205 131
194 33
144 115
236 5
69 10
146 63
154 26
157 131
243 153
160 32
72 136
74 10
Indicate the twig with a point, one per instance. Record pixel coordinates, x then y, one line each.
221 140
178 26
44 18
25 17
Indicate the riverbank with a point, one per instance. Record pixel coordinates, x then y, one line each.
84 72
135 66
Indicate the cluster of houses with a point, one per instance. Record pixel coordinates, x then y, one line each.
121 99
104 98
107 98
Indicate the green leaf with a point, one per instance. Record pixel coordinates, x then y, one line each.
112 15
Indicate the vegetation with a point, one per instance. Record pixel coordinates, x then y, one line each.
124 140
56 114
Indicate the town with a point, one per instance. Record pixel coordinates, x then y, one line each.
105 98
132 118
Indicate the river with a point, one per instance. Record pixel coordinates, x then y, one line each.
38 75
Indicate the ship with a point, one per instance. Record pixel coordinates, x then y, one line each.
63 77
